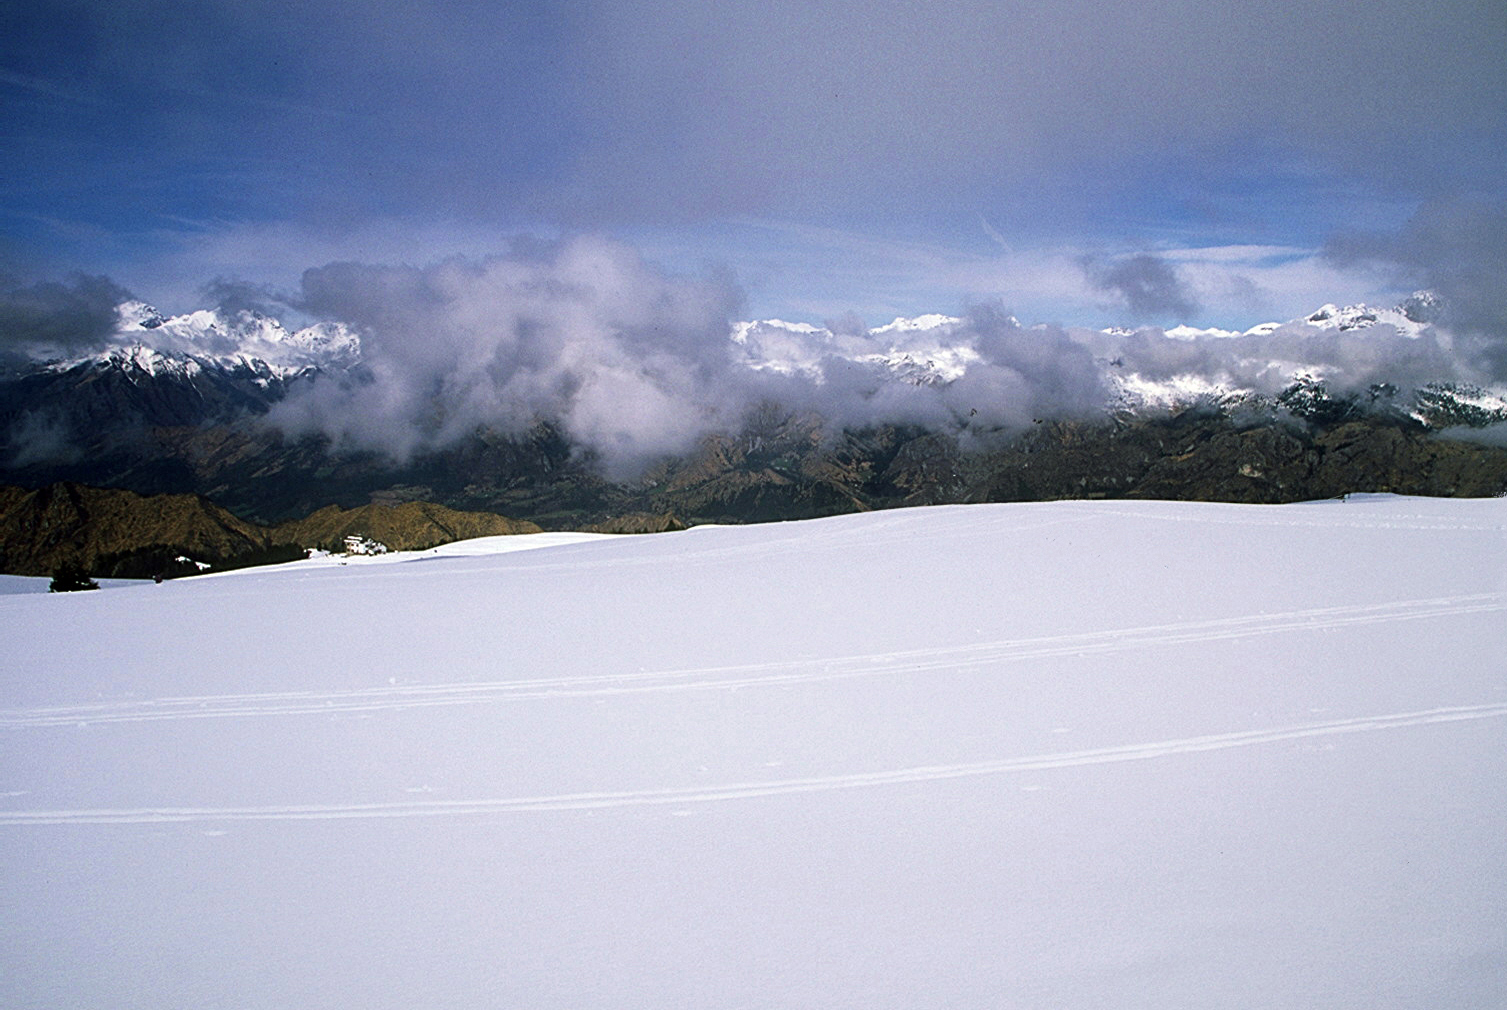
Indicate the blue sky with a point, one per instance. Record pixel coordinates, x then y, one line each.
877 158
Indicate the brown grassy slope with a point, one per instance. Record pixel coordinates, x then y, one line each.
411 526
637 522
96 527
42 529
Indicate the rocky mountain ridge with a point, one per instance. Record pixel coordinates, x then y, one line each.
928 349
783 467
221 338
178 421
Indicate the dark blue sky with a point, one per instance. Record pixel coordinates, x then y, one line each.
877 157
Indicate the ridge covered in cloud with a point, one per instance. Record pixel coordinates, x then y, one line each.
634 361
1458 249
631 361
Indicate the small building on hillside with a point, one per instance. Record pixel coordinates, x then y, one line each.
357 544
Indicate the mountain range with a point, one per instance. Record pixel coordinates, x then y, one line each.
188 405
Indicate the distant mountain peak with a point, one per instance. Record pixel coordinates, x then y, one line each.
136 315
212 337
930 347
929 321
1410 318
1421 307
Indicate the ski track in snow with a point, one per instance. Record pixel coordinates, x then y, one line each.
752 790
771 674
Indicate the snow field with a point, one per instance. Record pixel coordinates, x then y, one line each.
1064 754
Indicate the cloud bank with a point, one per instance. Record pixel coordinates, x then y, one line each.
1458 249
630 361
139 116
56 318
634 362
1006 104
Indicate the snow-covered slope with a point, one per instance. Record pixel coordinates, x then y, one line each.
1076 754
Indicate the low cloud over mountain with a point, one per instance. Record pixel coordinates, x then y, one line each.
56 318
1457 248
634 362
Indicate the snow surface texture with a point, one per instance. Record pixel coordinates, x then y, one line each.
1073 754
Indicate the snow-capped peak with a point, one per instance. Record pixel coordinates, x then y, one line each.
1421 307
1408 319
912 349
926 349
227 340
742 331
1360 317
136 315
930 321
1185 332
